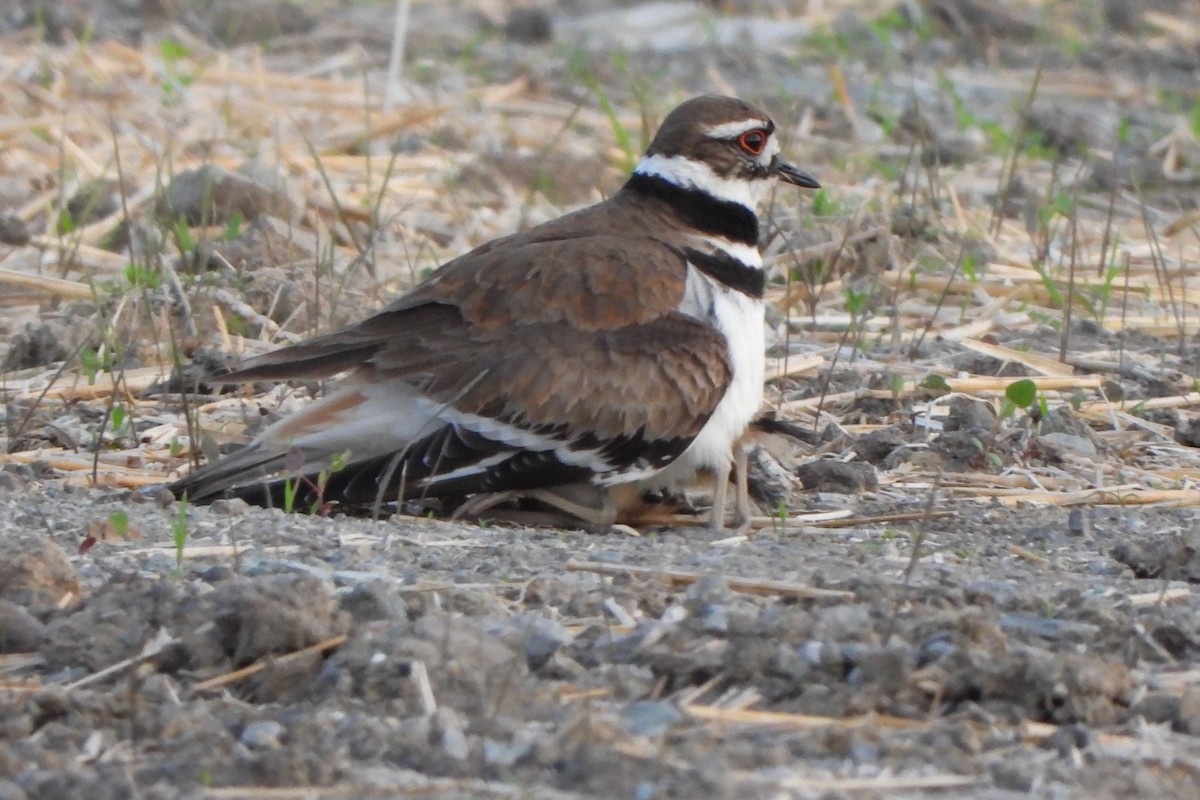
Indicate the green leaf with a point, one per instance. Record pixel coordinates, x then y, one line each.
823 204
1021 393
289 494
339 462
172 51
183 236
935 382
65 224
179 531
117 417
118 522
233 226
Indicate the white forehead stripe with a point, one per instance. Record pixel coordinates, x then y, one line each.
732 130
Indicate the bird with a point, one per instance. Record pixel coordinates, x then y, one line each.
619 346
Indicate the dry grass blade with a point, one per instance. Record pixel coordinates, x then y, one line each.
229 678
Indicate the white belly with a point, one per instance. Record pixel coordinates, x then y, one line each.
740 320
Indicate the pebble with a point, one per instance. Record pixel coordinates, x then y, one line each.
830 475
263 735
649 717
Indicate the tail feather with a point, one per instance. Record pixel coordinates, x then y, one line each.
218 477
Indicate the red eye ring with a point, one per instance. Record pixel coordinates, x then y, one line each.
753 141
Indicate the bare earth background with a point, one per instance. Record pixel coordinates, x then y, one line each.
973 571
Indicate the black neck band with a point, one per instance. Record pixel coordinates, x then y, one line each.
700 210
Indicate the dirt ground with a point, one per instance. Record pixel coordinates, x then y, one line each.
943 595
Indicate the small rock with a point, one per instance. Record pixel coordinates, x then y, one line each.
1122 15
876 446
373 601
770 482
1187 432
913 222
1064 132
888 668
1188 720
37 574
11 481
212 194
1061 419
649 717
14 231
529 26
959 450
1063 444
229 506
545 637
263 735
506 754
1173 557
936 648
51 338
1158 707
1012 777
449 729
94 200
11 791
276 614
217 573
1069 739
828 475
257 21
162 497
967 414
20 631
954 148
645 791
1048 628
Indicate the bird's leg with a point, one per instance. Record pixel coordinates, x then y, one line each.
481 503
591 504
741 469
716 517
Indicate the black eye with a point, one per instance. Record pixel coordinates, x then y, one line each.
753 141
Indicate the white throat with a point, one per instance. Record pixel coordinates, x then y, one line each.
691 174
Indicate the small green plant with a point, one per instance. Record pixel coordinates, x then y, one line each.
1019 394
823 204
175 78
290 486
935 383
233 226
179 531
294 465
118 419
970 267
141 276
184 240
93 361
118 523
65 224
780 517
993 458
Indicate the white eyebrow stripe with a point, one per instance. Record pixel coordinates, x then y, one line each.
732 130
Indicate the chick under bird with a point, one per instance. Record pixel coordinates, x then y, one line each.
622 344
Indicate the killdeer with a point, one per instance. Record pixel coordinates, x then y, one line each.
620 344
